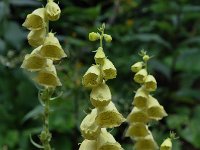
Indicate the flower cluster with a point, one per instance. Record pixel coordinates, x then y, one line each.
146 107
105 114
47 47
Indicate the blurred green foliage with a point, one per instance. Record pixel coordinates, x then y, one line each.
168 30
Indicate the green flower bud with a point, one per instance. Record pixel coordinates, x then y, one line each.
100 56
36 37
109 70
136 67
93 36
52 11
146 58
137 130
140 76
89 129
107 38
36 20
88 145
166 145
150 83
51 48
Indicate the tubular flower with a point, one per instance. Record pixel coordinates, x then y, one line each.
36 20
105 114
146 107
52 11
36 37
166 145
88 145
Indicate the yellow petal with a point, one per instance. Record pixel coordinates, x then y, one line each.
88 145
52 49
137 66
166 145
140 76
35 20
93 36
137 130
92 77
89 129
108 38
106 141
100 95
52 11
138 115
36 37
99 56
141 98
109 117
109 70
155 110
150 83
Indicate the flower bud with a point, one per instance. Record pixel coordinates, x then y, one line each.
155 110
137 130
137 66
92 77
109 70
146 143
88 145
166 145
33 61
141 98
150 83
140 76
93 36
35 20
109 117
106 141
48 77
99 56
36 37
138 115
52 49
107 38
52 11
146 58
100 95
89 129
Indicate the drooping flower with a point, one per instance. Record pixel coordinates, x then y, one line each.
52 11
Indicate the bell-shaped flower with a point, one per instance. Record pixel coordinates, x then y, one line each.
137 66
109 70
106 141
109 117
137 130
92 77
141 98
150 83
36 20
52 11
33 61
155 110
100 56
140 76
36 37
166 145
48 77
89 128
100 95
88 145
51 48
138 115
146 143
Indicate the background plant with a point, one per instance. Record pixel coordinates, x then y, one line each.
169 30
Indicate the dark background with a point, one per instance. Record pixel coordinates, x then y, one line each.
168 29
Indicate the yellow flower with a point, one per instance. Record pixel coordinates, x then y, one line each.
137 66
137 130
48 77
36 37
107 38
93 36
34 62
92 77
166 145
89 129
36 20
88 145
138 115
141 98
140 76
109 117
155 110
106 141
52 49
99 56
109 70
52 11
100 95
150 83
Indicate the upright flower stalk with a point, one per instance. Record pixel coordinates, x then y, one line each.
105 114
146 107
41 60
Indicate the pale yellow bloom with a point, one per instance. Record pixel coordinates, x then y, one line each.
137 66
137 130
93 36
150 83
88 145
140 76
100 95
108 38
138 115
99 56
52 11
166 145
36 37
141 98
109 70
